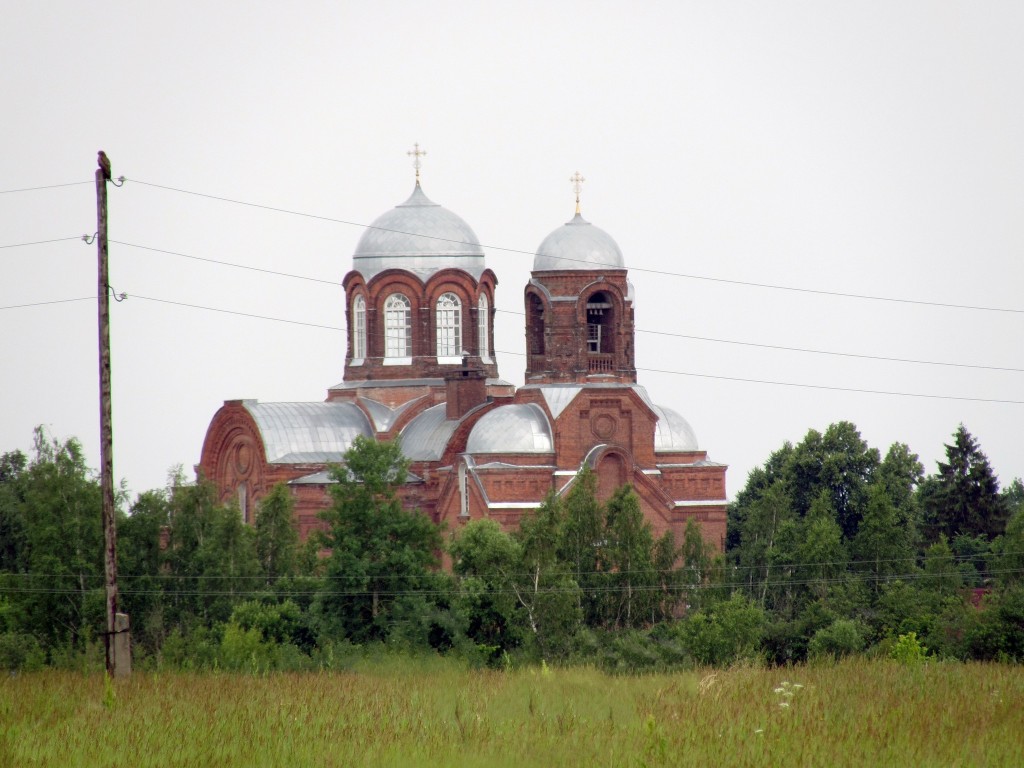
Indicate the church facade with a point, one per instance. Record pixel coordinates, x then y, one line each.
420 368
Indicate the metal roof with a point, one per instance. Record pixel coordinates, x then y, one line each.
419 236
578 244
307 433
517 428
383 416
426 436
673 432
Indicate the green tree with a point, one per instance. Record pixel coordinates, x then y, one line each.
964 498
580 540
838 461
881 546
485 559
211 556
821 552
765 518
140 559
13 536
543 585
382 556
277 538
629 557
63 546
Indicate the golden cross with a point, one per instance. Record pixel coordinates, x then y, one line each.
416 153
577 187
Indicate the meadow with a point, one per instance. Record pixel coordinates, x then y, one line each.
433 712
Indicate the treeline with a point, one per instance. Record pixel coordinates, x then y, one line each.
831 550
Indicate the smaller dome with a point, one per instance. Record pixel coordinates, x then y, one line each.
672 433
578 244
518 428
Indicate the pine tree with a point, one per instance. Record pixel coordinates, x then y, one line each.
963 498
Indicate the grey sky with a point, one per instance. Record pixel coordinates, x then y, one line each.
869 148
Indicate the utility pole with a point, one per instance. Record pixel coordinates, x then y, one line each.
116 638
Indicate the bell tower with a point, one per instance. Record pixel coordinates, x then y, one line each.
579 307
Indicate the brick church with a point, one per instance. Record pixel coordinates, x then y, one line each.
420 368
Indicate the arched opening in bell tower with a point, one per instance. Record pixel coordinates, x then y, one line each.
600 324
535 325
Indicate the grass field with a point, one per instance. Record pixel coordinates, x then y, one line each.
434 712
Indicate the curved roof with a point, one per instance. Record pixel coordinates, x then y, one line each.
672 432
419 236
426 436
517 428
301 433
578 244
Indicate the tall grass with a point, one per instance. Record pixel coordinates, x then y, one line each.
411 712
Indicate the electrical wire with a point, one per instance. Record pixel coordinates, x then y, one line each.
47 303
664 273
608 589
804 350
48 186
846 565
41 242
739 379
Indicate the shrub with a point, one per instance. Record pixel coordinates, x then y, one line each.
840 638
19 651
908 649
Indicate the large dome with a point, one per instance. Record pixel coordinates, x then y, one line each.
419 236
578 244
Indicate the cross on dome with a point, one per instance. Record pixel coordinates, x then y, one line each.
577 186
416 153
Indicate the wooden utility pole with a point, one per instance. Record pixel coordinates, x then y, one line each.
116 637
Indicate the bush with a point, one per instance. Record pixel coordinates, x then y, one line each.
20 651
842 637
908 649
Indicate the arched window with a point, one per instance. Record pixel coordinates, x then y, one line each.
397 327
600 325
482 323
359 328
449 326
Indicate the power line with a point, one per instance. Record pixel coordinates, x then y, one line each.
48 186
739 379
41 242
233 312
611 589
335 283
780 347
717 377
711 568
664 273
47 303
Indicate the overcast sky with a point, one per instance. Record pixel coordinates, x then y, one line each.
869 148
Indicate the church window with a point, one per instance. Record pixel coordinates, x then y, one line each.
397 327
449 326
359 328
536 325
483 316
463 491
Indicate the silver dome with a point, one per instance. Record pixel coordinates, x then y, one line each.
306 433
578 244
419 236
427 435
519 428
672 433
